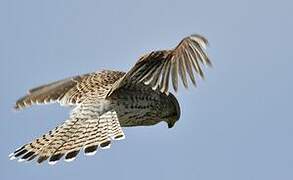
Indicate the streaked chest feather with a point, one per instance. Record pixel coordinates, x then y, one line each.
139 108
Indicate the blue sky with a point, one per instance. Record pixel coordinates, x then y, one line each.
238 123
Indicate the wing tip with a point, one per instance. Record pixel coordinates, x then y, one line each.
119 137
17 107
200 39
22 103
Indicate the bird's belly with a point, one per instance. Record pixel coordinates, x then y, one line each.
132 119
138 109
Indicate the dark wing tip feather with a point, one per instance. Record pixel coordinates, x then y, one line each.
28 155
56 157
91 149
20 153
71 155
202 38
105 145
42 159
203 43
17 107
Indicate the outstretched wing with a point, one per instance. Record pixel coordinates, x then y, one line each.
48 93
71 91
155 68
85 129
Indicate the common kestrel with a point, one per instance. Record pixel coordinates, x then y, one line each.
108 100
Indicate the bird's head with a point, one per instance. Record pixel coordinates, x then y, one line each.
174 114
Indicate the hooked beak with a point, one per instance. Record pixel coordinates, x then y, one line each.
170 125
172 121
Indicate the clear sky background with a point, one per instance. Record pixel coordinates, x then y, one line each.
237 125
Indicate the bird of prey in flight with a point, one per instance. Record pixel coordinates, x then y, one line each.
105 101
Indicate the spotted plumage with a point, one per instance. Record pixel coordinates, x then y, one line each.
105 101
